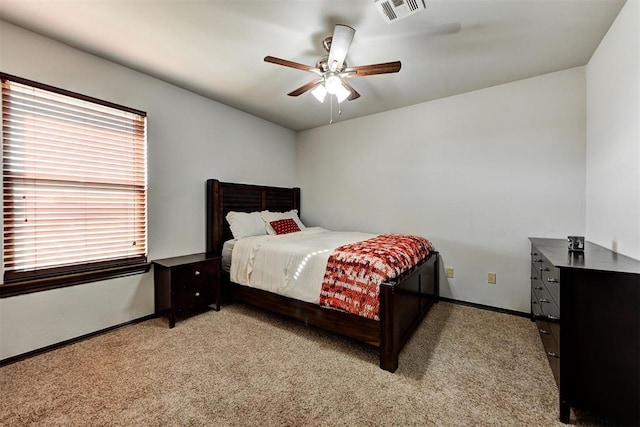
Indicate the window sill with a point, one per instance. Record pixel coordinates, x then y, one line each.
30 286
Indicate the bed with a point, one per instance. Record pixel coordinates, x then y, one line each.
403 302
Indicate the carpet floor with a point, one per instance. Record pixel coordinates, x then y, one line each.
242 367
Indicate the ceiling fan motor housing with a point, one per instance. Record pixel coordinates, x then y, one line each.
323 65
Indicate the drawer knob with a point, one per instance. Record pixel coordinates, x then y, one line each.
544 300
534 254
551 354
534 278
197 273
538 288
552 280
544 269
197 294
543 331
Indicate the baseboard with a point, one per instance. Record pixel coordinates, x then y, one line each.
19 357
487 307
23 356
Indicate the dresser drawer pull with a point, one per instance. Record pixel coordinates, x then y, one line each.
552 354
538 288
534 254
544 269
543 331
552 317
538 260
544 300
197 273
552 280
197 294
534 278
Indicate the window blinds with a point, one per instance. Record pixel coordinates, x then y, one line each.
74 183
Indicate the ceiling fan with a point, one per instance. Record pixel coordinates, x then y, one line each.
332 70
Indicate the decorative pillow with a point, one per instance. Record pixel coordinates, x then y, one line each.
245 224
285 226
268 216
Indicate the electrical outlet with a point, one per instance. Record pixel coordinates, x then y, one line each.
491 278
450 272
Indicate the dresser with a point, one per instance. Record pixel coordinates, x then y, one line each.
186 284
586 306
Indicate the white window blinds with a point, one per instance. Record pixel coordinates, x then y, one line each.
74 183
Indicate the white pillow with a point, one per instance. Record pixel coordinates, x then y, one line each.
245 224
268 216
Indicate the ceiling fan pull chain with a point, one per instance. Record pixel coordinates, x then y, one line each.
330 109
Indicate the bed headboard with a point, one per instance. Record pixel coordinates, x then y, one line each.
223 197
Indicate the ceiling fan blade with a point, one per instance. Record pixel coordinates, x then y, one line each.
340 42
369 70
292 64
304 88
354 92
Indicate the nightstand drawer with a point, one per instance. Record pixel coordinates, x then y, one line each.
196 275
192 298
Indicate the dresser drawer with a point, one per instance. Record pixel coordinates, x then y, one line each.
536 283
551 278
548 329
547 304
551 345
536 262
535 270
194 276
535 306
554 363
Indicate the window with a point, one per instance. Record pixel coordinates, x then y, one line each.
74 188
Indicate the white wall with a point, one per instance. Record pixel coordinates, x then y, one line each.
476 173
190 139
613 136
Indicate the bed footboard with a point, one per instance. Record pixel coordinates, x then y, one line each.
403 305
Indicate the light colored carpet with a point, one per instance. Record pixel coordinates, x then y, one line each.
242 367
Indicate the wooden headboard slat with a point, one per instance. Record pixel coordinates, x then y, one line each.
224 197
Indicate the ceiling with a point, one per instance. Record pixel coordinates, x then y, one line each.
216 48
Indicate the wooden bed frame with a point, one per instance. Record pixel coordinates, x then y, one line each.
403 302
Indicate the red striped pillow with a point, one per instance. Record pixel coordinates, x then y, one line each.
285 226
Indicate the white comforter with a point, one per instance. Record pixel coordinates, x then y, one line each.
291 265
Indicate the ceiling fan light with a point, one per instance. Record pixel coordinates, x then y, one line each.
342 93
333 84
319 92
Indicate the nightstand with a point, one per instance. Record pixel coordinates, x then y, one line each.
186 284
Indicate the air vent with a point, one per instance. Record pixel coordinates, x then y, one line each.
394 10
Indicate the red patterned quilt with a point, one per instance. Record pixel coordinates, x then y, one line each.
354 272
